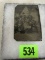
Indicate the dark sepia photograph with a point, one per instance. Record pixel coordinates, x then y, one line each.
27 25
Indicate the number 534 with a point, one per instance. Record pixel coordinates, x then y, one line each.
28 50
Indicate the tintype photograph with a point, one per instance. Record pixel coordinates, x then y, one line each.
27 25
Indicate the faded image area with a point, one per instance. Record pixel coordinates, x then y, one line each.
27 25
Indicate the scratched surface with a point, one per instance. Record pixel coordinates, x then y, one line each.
27 25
